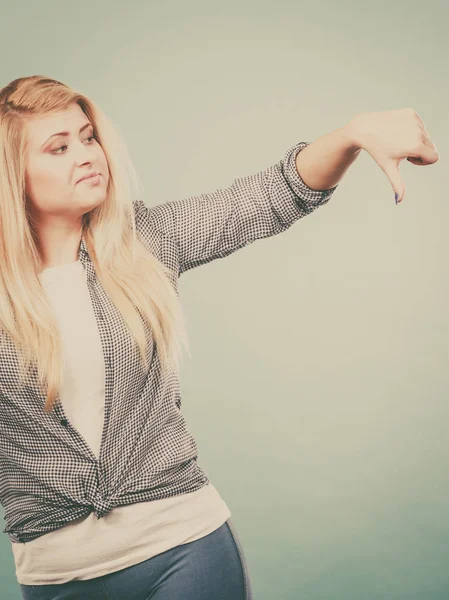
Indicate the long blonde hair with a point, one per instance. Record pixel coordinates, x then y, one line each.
130 274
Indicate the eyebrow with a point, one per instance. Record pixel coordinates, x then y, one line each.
65 133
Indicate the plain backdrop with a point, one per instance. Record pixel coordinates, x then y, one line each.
318 385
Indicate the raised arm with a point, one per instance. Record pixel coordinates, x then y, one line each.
214 225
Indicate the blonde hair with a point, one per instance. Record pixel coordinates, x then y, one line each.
130 274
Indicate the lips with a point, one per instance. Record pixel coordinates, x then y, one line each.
93 174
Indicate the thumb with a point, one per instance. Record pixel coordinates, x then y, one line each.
391 170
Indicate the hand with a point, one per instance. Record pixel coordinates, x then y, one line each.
389 137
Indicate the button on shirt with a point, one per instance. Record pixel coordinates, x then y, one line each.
50 475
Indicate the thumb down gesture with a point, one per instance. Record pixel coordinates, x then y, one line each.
389 137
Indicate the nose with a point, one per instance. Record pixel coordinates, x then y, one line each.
85 154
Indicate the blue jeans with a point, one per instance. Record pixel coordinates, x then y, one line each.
211 568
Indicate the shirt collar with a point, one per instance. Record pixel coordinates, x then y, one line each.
83 254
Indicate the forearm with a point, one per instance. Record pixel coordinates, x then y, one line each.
322 164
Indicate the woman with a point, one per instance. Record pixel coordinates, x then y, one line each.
99 479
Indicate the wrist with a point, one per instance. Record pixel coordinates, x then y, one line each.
353 132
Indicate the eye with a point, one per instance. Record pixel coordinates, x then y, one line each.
92 137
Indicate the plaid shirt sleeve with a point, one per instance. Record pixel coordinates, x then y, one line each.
214 225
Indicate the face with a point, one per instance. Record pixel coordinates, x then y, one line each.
55 164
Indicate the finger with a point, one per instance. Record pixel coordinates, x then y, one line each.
391 170
427 154
429 143
420 122
416 161
426 139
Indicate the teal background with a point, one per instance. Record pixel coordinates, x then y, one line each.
318 385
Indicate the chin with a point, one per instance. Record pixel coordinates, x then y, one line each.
88 207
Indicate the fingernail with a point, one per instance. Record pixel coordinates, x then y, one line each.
396 198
